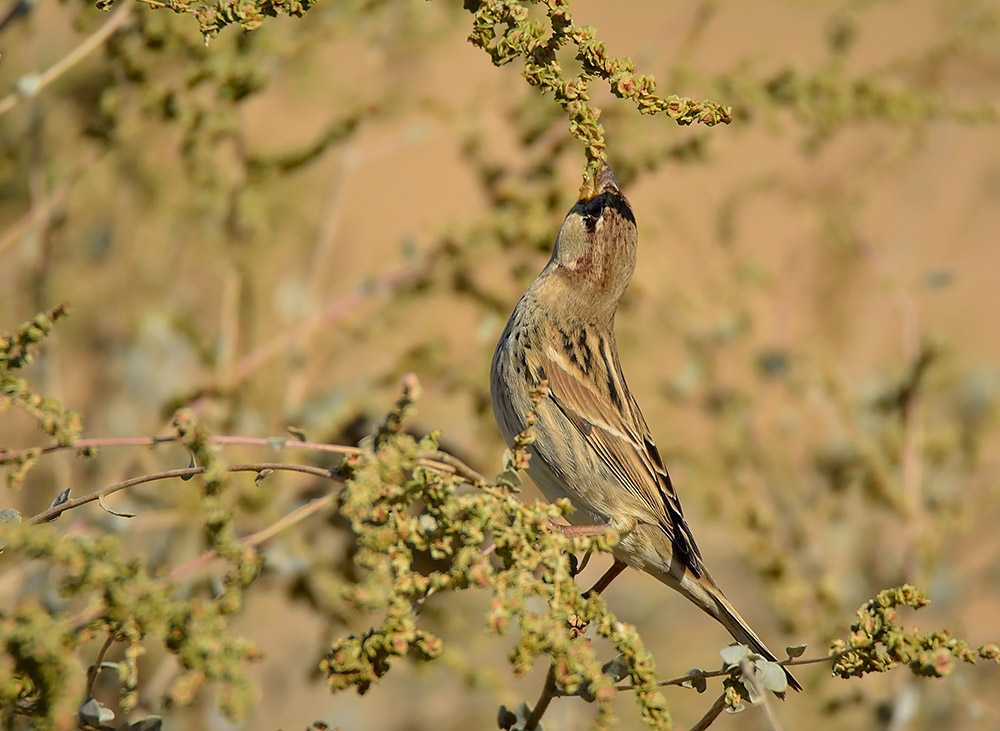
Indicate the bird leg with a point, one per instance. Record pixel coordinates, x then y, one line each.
573 531
610 575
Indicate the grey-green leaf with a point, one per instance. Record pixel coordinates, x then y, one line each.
9 515
149 723
733 654
505 719
795 651
772 676
93 713
616 668
191 465
509 478
697 680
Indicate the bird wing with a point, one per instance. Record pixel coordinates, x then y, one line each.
610 422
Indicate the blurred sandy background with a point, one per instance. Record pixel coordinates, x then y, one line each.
825 261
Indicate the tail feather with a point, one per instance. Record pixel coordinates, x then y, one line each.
741 632
706 594
644 547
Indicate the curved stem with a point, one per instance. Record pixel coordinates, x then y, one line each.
548 693
104 442
436 460
94 671
706 674
255 539
713 713
71 59
57 510
750 678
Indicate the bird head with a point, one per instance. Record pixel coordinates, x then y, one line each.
595 250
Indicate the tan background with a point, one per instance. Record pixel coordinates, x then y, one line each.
831 255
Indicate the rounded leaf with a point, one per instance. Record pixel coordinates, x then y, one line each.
795 651
732 654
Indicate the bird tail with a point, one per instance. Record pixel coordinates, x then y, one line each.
704 592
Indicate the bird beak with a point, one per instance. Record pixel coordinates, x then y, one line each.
606 181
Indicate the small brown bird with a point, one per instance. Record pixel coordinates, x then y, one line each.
592 444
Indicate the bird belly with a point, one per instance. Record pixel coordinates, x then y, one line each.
586 511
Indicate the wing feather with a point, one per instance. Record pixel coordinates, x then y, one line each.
620 438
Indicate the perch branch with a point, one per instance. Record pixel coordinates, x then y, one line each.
31 84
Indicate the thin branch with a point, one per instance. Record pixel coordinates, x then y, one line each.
42 212
911 452
682 679
440 462
56 511
335 310
706 674
30 85
460 468
765 704
296 516
818 659
103 442
747 671
255 539
95 670
713 713
548 693
330 224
